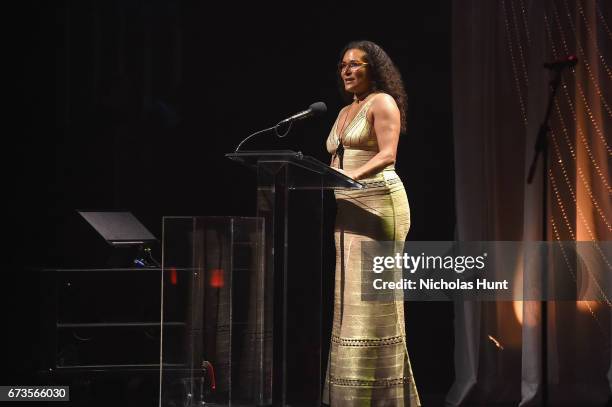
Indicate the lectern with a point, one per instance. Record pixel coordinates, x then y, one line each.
290 290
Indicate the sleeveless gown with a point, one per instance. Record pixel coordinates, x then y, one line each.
368 361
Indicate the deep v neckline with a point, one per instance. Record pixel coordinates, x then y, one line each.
352 120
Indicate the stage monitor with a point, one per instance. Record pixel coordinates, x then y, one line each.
118 228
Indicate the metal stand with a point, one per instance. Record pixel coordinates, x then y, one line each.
541 148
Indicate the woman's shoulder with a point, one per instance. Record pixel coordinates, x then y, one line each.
383 100
341 112
344 109
382 104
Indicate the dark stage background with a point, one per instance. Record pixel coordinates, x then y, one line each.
131 105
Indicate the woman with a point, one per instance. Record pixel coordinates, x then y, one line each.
368 363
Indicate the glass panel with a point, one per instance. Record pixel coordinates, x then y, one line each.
293 269
211 266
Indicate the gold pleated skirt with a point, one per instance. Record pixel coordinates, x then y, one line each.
368 361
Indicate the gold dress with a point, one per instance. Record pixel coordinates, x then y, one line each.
368 361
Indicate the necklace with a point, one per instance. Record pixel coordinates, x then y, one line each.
357 102
342 128
340 144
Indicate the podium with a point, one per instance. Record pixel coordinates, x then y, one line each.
290 290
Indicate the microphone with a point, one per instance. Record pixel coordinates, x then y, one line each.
569 61
315 109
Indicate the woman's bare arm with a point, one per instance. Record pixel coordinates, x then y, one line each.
386 120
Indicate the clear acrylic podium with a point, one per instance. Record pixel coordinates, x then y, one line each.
290 200
211 352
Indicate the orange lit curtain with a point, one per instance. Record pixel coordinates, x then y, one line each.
500 91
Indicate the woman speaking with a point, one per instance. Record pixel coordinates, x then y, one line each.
368 363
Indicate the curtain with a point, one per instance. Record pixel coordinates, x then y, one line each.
500 91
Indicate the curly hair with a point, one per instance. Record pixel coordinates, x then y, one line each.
384 75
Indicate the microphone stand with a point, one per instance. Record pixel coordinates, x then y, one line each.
275 128
314 109
541 148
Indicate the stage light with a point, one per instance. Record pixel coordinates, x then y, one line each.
587 306
173 276
217 278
